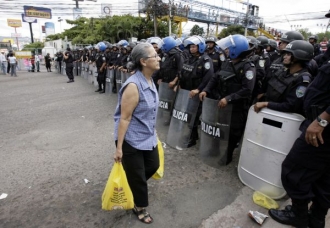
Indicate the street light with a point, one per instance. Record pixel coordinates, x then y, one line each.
59 19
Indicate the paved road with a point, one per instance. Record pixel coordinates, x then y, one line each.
54 135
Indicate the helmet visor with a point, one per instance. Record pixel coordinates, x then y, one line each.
193 40
226 42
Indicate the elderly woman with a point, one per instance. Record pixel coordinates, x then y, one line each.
135 121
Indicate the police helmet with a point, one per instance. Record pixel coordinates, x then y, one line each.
169 43
101 46
131 45
211 39
123 43
236 44
263 41
253 41
300 49
196 40
272 43
156 40
315 37
179 43
142 41
291 36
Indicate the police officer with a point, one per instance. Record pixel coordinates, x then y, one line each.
171 63
213 53
101 65
277 64
286 88
115 54
68 59
272 51
324 58
234 83
313 41
59 60
196 73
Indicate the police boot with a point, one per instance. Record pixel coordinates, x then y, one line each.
193 137
317 216
297 216
99 90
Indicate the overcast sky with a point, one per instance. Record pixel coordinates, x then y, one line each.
279 14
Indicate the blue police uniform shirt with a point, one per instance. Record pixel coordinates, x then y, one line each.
141 133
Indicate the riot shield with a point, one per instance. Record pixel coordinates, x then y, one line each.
166 102
124 77
215 126
90 74
95 74
182 120
63 68
86 71
118 80
79 68
83 70
74 68
108 81
268 138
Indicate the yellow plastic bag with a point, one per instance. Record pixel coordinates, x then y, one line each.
160 172
117 193
264 201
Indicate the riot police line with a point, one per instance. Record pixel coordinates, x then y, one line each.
212 105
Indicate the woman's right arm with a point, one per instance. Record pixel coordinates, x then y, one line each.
129 102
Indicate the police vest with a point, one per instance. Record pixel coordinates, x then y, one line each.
168 67
280 83
190 78
100 59
69 59
230 77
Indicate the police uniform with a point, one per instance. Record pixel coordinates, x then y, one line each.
273 55
285 91
235 82
170 66
215 56
101 77
69 66
196 73
306 169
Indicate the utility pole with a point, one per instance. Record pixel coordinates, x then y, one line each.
31 32
247 17
169 18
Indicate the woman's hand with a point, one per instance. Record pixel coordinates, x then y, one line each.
118 155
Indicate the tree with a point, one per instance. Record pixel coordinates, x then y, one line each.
33 46
232 30
305 32
196 30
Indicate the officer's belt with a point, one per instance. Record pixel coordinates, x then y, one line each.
314 111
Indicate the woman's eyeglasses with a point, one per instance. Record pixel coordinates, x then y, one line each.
155 56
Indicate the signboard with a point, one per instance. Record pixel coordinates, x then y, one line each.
29 19
77 13
16 35
37 12
16 23
49 28
22 54
106 9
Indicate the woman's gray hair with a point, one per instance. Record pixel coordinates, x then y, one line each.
138 52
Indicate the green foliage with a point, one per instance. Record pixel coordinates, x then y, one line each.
32 46
232 30
112 29
305 32
55 37
321 35
196 30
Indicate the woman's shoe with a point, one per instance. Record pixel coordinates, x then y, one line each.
143 215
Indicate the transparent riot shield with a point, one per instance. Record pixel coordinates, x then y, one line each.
74 68
118 80
182 121
63 68
108 82
83 70
124 77
86 71
90 74
215 126
95 74
79 68
166 102
268 138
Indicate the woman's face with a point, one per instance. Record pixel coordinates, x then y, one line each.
152 60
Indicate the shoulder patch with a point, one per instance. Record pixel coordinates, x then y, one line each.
207 65
300 91
103 58
249 74
262 63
